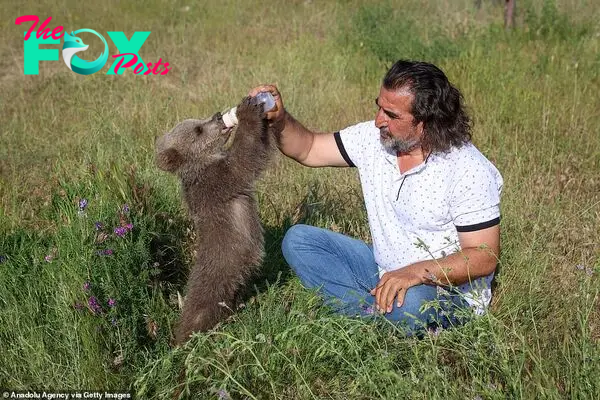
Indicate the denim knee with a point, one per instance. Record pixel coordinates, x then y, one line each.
416 315
295 236
297 241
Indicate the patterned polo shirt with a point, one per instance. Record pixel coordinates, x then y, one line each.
416 215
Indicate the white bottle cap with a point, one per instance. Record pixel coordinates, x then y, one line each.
230 118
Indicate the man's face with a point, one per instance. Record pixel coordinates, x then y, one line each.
398 133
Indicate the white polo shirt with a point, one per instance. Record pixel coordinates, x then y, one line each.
417 215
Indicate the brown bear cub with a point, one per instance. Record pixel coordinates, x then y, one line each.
218 186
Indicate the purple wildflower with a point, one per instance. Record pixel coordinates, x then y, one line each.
83 204
113 321
111 302
93 303
369 310
120 231
580 267
129 227
78 306
87 286
94 306
98 225
49 258
107 252
222 393
125 208
589 271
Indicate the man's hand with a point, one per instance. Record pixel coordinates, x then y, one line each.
277 114
394 284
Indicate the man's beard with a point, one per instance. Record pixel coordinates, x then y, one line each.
395 145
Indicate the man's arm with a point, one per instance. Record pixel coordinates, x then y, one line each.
309 148
478 257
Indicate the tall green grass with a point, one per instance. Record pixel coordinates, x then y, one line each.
533 94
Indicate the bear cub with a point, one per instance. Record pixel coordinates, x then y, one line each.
218 189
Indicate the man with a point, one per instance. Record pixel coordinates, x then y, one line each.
432 199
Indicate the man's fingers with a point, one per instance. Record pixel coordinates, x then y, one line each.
377 293
377 290
277 112
391 291
391 295
400 297
392 288
386 297
264 88
258 89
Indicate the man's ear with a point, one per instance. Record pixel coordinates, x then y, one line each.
169 159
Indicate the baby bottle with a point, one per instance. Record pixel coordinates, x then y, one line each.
265 98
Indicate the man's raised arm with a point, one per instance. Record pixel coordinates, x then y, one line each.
309 148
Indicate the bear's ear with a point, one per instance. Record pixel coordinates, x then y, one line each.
169 159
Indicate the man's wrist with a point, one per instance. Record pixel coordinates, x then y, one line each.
417 272
425 272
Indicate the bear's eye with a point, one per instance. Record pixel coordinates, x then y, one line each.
198 130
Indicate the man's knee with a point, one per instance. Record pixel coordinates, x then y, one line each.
411 312
294 240
416 296
423 307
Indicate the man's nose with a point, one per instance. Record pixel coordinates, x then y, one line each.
380 119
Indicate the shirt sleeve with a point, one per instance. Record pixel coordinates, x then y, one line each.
475 201
356 143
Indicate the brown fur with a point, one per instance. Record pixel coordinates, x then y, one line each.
218 188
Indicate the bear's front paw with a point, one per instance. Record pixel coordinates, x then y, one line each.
250 112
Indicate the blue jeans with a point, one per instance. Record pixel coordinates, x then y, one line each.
344 270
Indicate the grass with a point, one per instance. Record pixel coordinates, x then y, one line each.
532 92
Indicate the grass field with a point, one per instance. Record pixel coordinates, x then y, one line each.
83 308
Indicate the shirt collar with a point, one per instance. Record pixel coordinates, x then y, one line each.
392 159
